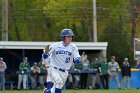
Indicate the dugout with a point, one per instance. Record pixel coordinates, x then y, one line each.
14 51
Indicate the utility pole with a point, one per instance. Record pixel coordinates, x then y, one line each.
133 23
94 22
4 20
134 16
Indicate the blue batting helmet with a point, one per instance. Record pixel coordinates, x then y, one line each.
66 32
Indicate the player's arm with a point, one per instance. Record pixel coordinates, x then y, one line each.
77 57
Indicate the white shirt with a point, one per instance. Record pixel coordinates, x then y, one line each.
113 66
3 66
62 56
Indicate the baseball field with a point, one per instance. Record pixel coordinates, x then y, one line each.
78 91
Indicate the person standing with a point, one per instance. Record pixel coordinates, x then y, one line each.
84 76
42 75
3 67
126 74
77 68
104 73
61 58
24 67
35 71
113 67
94 67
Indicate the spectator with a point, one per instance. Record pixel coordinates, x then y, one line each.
76 76
3 67
35 71
93 67
42 75
104 72
113 67
24 67
126 74
84 76
70 81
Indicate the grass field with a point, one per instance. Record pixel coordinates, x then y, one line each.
77 91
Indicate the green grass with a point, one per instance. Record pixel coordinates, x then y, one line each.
77 91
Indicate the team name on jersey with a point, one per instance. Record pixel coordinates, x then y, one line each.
63 52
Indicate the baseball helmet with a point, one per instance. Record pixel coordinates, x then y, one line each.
66 32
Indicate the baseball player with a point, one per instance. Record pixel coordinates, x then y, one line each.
113 67
62 54
23 67
104 72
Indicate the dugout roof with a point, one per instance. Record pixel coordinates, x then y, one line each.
41 45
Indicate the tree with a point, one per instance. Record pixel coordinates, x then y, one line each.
74 14
118 40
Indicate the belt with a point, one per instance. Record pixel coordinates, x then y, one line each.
62 70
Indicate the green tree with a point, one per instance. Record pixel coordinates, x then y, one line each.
118 41
74 14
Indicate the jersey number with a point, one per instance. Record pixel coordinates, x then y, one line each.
67 60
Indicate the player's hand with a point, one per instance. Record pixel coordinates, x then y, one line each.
47 49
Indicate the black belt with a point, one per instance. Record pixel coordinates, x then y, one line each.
62 70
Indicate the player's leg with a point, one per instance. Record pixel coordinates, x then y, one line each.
117 81
102 81
128 82
54 74
59 79
93 80
33 82
24 82
20 78
41 82
106 77
123 82
77 80
49 82
0 81
110 78
48 79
